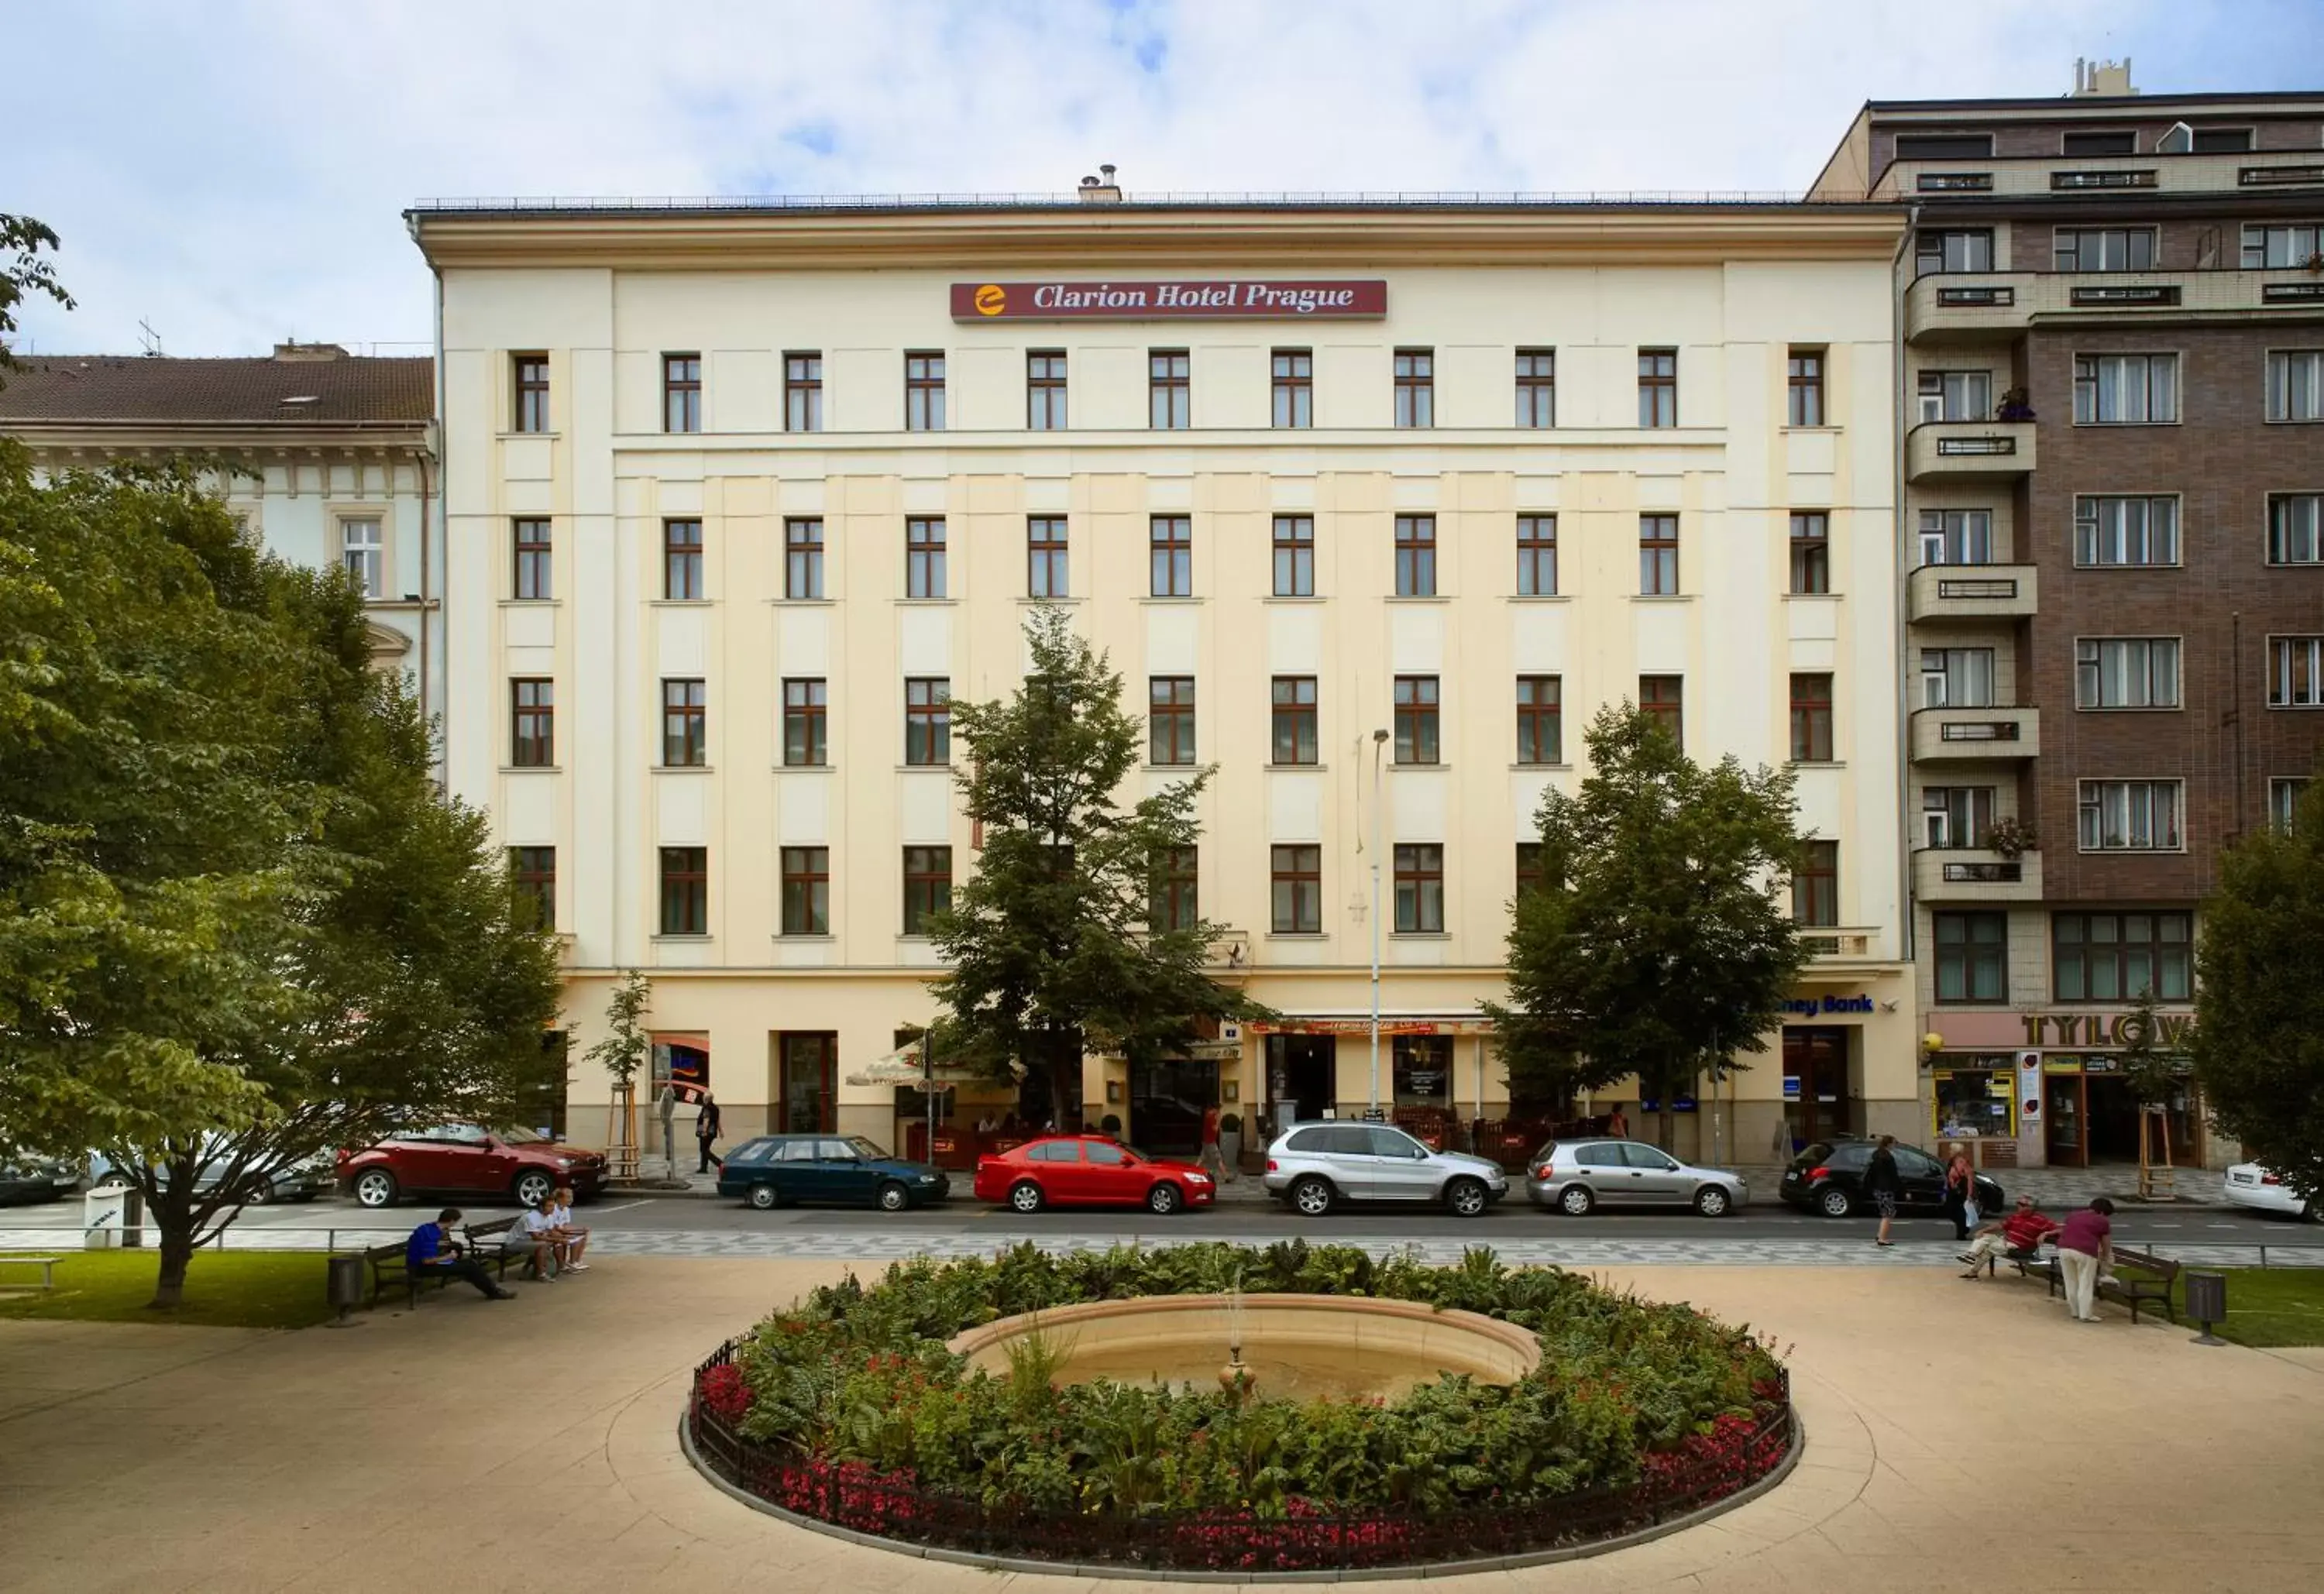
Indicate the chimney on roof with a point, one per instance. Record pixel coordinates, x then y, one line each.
310 351
1101 189
2102 79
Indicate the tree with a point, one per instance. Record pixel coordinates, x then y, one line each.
621 1050
23 271
2259 1008
1656 945
1050 943
2153 1074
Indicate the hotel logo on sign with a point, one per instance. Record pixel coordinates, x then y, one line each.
1234 300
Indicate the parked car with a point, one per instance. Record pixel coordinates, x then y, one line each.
2253 1185
1316 1166
1090 1170
300 1181
1828 1177
1575 1176
828 1170
38 1178
464 1159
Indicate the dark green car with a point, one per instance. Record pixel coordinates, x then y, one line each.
827 1170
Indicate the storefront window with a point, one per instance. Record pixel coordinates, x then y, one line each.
1976 1099
1424 1070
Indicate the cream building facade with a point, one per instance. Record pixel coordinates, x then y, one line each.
697 463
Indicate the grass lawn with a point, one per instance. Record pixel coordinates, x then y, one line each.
224 1289
2273 1307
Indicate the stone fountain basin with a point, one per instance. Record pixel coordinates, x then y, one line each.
1296 1347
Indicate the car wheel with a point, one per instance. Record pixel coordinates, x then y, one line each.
1576 1201
1313 1197
765 1198
375 1187
1834 1202
1026 1197
894 1197
1712 1201
533 1188
1466 1198
1163 1199
260 1193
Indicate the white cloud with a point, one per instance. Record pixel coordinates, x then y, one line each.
234 173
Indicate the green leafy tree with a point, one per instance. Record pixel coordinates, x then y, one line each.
1051 950
1656 945
621 1050
22 273
2259 1006
2153 1072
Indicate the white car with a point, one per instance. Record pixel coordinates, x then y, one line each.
2251 1185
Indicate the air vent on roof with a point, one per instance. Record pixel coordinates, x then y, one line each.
304 399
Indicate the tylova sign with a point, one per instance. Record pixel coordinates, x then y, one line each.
2172 1030
1235 298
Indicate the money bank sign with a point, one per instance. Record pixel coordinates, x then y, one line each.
1231 299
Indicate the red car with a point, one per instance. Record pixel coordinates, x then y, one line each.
1090 1170
461 1159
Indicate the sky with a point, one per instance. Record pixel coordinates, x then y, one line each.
232 173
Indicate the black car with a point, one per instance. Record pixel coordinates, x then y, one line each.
827 1170
30 1179
1829 1178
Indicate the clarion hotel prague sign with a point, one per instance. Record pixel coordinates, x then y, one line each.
1232 299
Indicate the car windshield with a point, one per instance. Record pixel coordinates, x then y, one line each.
868 1150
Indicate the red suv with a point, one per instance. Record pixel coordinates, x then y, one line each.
462 1159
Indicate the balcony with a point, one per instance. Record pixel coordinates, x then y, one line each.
1842 944
1942 594
1942 452
1964 735
1972 307
1945 875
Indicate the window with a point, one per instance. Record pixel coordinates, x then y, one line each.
2276 245
924 559
803 558
1047 575
681 392
1956 815
1658 555
1657 387
927 720
685 725
2295 385
1170 719
685 890
1815 884
1805 405
806 891
806 704
1416 556
2110 531
533 723
1956 395
1958 249
1168 390
1540 719
923 393
1536 555
2295 672
1536 388
1532 873
1972 956
535 564
2220 141
1420 890
928 885
1294 556
531 392
2125 390
1956 677
2104 249
1944 146
2127 672
2109 142
681 560
2130 816
2101 957
1294 388
2295 528
1176 903
1295 720
1045 389
1415 387
803 391
1417 720
2283 795
362 547
1811 719
532 870
1955 537
1172 543
1811 551
1662 699
1297 877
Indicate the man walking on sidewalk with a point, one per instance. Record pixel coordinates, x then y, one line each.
706 1130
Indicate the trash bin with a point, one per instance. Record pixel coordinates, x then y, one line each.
2207 1302
346 1283
112 1215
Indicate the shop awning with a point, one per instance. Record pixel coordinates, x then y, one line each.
903 1068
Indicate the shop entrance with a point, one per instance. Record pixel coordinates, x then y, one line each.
2064 1136
2112 1114
1816 1106
1167 1100
1299 1083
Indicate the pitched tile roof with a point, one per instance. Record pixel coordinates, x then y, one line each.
303 388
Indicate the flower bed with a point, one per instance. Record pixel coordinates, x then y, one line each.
848 1410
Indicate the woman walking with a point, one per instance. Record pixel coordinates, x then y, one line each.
2085 1245
1882 1182
1960 1192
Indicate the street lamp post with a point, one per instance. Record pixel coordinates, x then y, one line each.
1379 739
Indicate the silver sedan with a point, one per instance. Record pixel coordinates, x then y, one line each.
1575 1176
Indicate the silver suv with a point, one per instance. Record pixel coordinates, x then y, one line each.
1316 1166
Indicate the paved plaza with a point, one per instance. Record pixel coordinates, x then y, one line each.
1960 1432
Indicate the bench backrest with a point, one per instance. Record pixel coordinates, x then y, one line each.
391 1251
487 1231
2148 1261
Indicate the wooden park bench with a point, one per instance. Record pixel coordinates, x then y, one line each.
47 1264
391 1268
2135 1293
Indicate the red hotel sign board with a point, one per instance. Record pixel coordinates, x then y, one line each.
1230 300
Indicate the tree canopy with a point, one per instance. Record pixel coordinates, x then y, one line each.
24 273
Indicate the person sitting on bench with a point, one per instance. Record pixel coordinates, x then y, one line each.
430 1254
2017 1235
